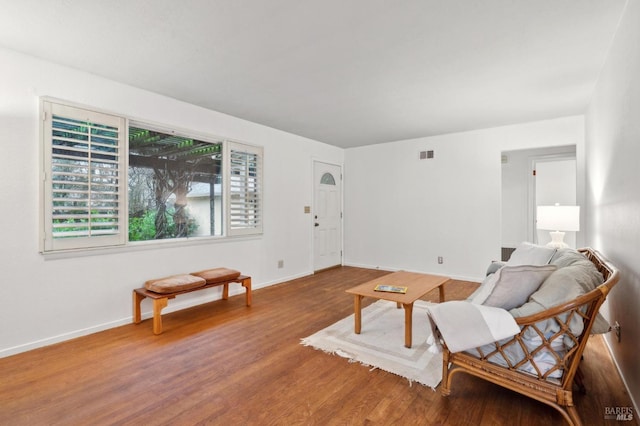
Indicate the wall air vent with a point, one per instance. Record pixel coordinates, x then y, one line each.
426 155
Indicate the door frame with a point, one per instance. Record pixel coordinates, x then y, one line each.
532 231
313 209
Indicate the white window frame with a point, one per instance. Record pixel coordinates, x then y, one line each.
250 172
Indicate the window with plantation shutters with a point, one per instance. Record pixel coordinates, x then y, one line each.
83 178
244 188
108 181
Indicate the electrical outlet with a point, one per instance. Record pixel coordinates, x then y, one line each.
440 260
616 328
280 264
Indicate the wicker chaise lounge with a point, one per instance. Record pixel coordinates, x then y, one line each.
514 363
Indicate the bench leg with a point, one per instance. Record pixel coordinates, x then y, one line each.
225 291
158 304
137 316
246 283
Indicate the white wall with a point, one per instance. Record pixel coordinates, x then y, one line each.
48 299
613 150
402 212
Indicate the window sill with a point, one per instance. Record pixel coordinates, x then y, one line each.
146 246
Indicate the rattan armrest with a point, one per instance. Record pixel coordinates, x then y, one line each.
560 309
520 354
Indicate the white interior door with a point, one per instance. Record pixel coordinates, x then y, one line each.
327 215
555 182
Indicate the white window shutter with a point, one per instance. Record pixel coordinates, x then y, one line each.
244 189
84 178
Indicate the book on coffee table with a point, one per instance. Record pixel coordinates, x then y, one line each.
390 288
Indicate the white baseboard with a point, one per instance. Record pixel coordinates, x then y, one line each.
62 337
626 385
393 269
175 305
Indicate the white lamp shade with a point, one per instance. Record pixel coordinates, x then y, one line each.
558 218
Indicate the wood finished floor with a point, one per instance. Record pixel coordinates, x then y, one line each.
223 363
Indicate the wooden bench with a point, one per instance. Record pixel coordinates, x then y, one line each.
160 300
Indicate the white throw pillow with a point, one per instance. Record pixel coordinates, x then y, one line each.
531 254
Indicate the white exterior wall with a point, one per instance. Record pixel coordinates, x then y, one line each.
402 212
613 153
49 299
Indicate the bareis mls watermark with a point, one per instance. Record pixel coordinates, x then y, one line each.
618 413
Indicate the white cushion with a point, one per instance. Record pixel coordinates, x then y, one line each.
531 254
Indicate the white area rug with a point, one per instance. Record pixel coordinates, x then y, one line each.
380 343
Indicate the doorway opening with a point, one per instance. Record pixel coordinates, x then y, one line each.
532 177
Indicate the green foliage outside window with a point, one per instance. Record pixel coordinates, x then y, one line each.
144 228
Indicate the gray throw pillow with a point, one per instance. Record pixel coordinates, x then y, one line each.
567 256
562 286
485 289
493 267
514 285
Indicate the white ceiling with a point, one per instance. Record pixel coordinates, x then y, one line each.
344 72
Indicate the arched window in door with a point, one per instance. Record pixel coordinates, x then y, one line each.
327 179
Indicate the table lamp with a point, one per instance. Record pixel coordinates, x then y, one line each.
558 220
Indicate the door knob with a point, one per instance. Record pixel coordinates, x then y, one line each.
316 224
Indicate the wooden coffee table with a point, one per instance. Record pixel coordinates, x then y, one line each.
417 286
